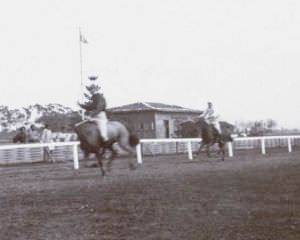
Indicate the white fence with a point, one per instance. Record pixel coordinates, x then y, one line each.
187 141
266 142
239 143
34 151
187 145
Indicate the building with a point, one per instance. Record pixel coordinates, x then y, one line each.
152 120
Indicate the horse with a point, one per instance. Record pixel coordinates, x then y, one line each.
20 137
209 134
92 142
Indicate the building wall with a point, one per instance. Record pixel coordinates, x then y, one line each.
140 123
152 124
173 120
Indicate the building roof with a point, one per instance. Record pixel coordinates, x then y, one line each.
154 107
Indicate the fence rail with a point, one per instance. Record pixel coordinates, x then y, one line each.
239 143
34 151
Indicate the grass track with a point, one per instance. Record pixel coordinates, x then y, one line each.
247 197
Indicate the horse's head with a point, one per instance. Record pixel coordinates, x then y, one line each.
187 129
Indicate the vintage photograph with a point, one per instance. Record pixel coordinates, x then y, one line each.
150 120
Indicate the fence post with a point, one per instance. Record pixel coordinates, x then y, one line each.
289 145
75 156
139 153
230 150
263 146
189 147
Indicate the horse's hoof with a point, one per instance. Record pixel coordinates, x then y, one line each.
92 165
139 165
132 166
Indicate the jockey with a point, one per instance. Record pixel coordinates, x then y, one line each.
210 117
97 106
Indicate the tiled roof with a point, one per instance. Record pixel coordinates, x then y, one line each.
148 106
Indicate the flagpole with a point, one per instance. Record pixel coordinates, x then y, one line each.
81 74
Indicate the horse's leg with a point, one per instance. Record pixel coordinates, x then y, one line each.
99 157
112 157
202 144
208 150
222 150
86 154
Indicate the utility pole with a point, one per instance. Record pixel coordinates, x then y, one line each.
81 40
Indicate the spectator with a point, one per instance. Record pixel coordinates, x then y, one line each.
47 138
33 134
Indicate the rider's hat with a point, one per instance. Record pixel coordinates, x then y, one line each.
93 78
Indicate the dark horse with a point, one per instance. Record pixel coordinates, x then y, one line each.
21 136
92 142
209 134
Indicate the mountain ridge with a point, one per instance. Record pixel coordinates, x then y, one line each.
14 118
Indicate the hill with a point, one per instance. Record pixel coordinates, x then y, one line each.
56 116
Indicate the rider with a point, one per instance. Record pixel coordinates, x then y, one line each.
97 106
210 117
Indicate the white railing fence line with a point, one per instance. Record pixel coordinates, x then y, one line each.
263 141
51 145
230 146
139 150
188 142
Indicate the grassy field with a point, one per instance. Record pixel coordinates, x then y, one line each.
249 196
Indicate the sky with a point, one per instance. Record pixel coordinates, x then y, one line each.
242 55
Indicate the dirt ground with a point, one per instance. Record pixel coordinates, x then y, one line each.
249 196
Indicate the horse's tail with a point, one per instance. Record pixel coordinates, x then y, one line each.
133 140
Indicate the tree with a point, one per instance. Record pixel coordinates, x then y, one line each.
270 123
57 121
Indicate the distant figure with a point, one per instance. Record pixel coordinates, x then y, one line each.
33 134
210 117
20 136
97 106
47 138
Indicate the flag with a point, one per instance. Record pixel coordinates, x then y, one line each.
83 39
